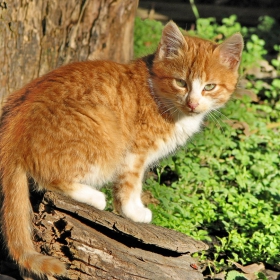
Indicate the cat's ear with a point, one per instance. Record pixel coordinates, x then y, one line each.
171 41
230 51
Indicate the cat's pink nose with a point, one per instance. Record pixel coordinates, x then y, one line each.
192 105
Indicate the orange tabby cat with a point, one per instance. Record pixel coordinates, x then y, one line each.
88 123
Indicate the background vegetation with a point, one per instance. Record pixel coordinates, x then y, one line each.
224 186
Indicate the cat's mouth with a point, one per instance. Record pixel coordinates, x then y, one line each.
189 111
193 113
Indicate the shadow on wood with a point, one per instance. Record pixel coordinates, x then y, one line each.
102 245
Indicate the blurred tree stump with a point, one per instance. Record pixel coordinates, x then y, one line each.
102 245
38 36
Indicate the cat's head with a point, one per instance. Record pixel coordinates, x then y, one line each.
192 75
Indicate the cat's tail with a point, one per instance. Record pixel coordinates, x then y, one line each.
17 226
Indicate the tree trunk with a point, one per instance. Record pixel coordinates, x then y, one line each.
102 245
38 36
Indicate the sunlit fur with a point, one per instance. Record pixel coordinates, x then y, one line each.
89 123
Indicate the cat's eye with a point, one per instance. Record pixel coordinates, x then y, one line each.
181 83
209 87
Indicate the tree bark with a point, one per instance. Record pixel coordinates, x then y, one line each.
38 36
102 245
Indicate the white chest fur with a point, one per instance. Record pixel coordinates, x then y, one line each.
183 130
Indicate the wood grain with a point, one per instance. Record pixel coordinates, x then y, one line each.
38 36
102 245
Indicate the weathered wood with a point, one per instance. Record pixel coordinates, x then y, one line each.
183 12
37 36
102 245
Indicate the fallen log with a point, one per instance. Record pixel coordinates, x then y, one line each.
102 245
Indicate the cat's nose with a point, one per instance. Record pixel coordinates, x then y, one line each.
192 104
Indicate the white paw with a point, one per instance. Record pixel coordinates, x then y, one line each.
137 213
98 200
88 195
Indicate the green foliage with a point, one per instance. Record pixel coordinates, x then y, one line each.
235 275
229 175
276 61
208 28
261 276
147 35
194 9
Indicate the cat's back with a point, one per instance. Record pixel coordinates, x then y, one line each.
76 85
77 80
82 98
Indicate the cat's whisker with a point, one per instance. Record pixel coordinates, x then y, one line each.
168 109
175 110
213 118
216 120
220 114
178 116
168 105
217 116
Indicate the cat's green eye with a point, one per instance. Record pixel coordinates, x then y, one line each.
209 87
181 83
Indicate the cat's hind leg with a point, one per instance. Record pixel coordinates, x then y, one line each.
128 189
86 194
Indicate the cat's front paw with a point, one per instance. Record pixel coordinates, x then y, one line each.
138 214
98 200
88 195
